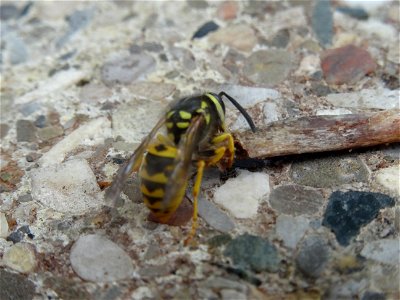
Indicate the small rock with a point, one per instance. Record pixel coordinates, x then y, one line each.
370 295
205 29
366 98
28 108
308 65
354 12
185 57
322 22
312 256
15 237
3 225
69 187
26 131
95 258
296 200
280 39
267 67
20 257
389 178
41 121
386 251
227 294
93 92
33 156
333 112
68 288
152 90
50 132
198 4
241 196
329 171
249 251
214 216
125 69
291 229
152 47
348 211
239 36
347 64
8 11
3 130
15 286
227 10
17 49
93 132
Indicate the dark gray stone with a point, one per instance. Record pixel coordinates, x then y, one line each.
348 211
355 12
252 252
4 130
25 198
328 172
280 39
312 256
295 200
15 286
8 11
26 131
322 22
205 29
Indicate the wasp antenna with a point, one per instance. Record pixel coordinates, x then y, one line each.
241 109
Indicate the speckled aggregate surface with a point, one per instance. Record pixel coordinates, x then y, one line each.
82 83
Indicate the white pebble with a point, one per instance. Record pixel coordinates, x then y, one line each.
389 178
291 229
386 251
3 226
70 187
241 195
95 258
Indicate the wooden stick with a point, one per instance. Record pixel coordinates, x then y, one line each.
321 134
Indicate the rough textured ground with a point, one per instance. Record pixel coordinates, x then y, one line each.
82 83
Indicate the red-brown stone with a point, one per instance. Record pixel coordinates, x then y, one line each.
347 64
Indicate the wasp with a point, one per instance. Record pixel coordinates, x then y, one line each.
196 133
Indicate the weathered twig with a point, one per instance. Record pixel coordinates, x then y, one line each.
321 134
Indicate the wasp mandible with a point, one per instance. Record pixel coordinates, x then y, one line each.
196 132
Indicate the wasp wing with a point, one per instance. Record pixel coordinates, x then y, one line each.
180 173
131 165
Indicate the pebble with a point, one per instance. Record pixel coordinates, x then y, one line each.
4 128
60 81
214 216
3 225
296 200
280 40
76 21
15 286
227 294
248 96
328 172
252 252
238 36
41 121
348 211
33 156
26 131
291 229
93 132
386 251
389 178
312 255
381 98
50 132
95 92
198 4
134 120
227 10
152 90
347 64
242 195
17 49
268 67
20 257
69 187
322 22
371 295
125 69
205 29
95 258
308 65
8 11
29 108
333 112
355 12
185 57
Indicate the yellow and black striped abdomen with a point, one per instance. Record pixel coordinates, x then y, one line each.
155 171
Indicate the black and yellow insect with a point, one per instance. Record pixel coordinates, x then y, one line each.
196 132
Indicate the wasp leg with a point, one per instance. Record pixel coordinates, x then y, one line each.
228 149
196 189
